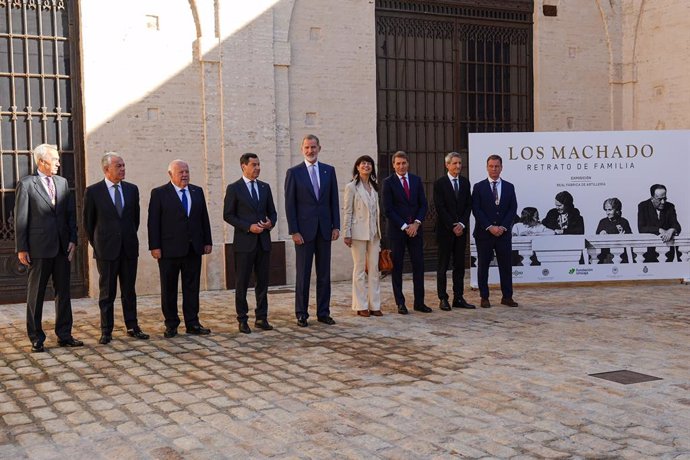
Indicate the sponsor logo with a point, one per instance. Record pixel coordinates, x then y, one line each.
517 273
645 269
580 271
545 272
571 271
614 270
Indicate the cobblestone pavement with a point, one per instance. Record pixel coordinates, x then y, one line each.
496 383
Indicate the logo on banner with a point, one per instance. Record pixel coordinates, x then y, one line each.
645 269
580 271
545 272
517 273
614 270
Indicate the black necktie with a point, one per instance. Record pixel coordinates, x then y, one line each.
456 188
118 200
255 195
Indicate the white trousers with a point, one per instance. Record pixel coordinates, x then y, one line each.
366 293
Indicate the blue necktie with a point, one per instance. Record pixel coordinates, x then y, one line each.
185 203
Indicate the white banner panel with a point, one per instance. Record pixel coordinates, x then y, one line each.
583 241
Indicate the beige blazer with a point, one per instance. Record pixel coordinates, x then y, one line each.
356 215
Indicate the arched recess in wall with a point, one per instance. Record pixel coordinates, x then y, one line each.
195 15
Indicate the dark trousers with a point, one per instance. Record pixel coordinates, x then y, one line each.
415 247
170 269
258 262
39 272
319 249
451 249
109 272
485 253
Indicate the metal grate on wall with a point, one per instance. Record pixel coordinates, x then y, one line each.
35 93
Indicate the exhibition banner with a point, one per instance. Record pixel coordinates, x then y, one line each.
593 206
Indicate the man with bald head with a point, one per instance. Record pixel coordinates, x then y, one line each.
179 234
111 220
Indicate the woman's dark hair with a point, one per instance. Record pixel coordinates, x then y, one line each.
616 205
566 199
372 176
529 215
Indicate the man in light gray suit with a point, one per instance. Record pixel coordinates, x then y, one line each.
46 240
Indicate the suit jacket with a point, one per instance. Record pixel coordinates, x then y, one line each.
306 214
109 233
170 229
41 228
649 222
241 211
487 213
398 208
449 209
356 213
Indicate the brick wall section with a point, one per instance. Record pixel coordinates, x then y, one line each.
571 60
142 94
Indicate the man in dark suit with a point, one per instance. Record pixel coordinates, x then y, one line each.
453 206
46 239
249 208
656 215
313 216
111 219
179 234
405 206
494 205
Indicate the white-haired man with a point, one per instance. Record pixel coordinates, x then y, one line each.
46 240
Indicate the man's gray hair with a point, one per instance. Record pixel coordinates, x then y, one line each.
170 165
108 158
452 155
42 150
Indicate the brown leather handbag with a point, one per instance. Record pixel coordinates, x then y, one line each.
385 261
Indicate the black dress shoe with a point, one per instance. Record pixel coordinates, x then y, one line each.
37 347
402 309
462 303
263 324
509 302
244 328
444 305
423 309
198 329
70 342
302 321
326 320
105 339
137 333
170 332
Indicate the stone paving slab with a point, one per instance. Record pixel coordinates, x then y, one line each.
486 383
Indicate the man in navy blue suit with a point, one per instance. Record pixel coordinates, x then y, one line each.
405 206
313 216
249 208
494 205
179 234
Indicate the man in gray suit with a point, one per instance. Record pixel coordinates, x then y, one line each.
46 240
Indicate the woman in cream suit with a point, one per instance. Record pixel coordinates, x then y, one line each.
362 232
